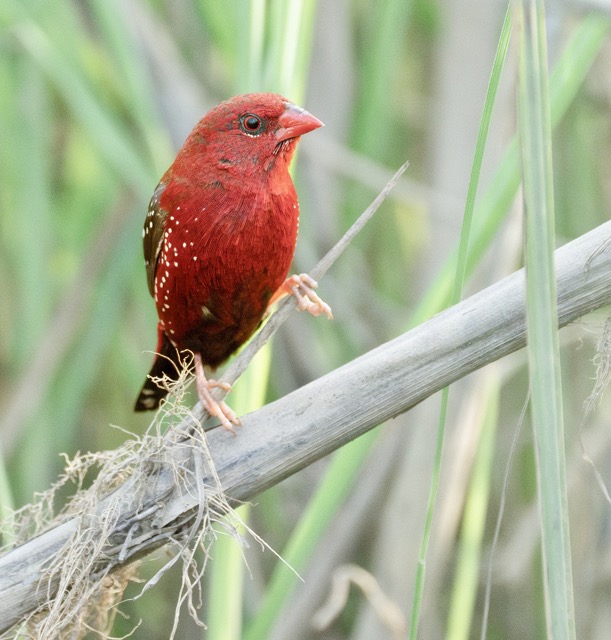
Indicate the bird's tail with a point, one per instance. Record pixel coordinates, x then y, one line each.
168 365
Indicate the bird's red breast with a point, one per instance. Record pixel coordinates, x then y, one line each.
222 224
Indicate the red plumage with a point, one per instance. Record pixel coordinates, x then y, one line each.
220 233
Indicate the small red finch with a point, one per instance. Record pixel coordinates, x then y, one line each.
219 239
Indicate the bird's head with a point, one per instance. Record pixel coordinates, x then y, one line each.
251 132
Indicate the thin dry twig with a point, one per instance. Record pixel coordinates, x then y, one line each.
387 610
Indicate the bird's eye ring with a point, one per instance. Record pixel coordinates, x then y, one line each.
251 124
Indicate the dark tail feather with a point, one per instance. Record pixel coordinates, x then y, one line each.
167 363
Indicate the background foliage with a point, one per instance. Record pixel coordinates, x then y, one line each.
95 98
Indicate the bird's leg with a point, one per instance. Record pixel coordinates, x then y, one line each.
302 287
221 409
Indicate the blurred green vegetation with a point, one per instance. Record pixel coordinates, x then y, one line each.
95 98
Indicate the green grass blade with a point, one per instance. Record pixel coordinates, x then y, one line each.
460 272
389 20
32 234
250 48
226 579
290 39
135 86
542 322
7 505
476 169
466 583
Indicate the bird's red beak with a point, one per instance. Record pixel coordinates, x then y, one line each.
294 122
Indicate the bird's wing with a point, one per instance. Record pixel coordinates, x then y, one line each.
154 227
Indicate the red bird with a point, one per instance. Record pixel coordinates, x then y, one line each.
219 239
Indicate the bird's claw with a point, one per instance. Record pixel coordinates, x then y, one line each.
302 287
217 408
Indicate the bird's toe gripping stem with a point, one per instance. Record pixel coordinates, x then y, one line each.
218 408
302 287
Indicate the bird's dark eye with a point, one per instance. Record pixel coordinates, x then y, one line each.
251 124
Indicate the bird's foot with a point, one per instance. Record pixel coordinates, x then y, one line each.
302 287
218 408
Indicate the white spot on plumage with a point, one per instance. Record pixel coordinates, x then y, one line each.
184 245
167 275
206 313
194 257
176 264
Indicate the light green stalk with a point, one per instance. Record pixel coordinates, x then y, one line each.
542 319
